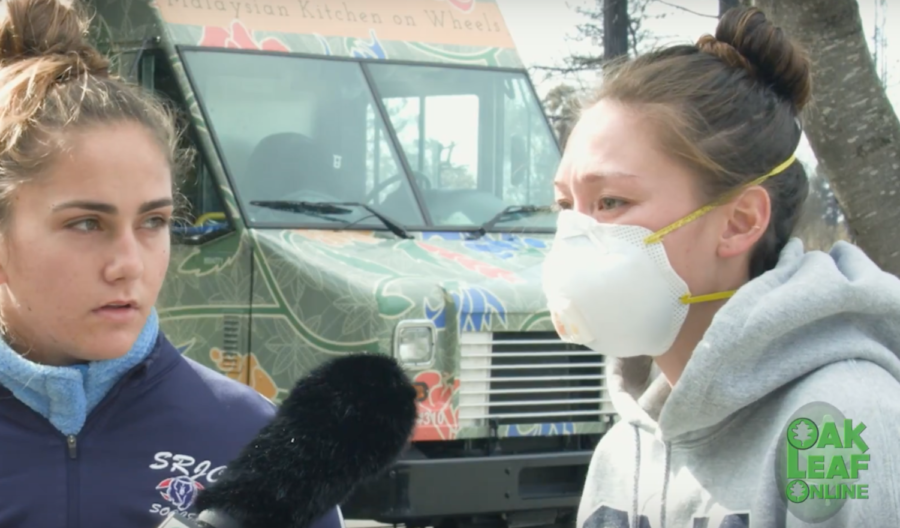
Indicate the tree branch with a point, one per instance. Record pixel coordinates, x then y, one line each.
577 66
686 10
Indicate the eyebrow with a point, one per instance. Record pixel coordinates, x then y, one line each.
111 209
595 176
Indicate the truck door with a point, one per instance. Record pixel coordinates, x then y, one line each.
204 305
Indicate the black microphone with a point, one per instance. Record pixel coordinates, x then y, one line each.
347 421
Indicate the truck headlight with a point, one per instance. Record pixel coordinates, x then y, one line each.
414 342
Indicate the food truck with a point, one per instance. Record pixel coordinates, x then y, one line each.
375 175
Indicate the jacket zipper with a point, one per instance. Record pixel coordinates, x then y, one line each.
72 442
72 480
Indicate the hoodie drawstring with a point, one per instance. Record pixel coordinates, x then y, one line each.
662 513
637 476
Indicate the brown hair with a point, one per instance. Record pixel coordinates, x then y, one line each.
728 107
52 80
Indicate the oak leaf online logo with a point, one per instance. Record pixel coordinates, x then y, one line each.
822 462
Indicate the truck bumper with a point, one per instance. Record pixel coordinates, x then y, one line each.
429 489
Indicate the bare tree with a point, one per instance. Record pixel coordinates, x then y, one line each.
562 105
593 30
851 124
616 25
725 5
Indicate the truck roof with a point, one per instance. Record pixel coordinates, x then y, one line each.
471 32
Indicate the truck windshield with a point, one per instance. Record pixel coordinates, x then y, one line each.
428 146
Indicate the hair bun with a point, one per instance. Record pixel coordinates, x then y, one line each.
726 52
37 29
771 56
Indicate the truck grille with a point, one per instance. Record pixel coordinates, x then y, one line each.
529 378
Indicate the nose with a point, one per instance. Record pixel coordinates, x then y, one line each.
583 206
126 260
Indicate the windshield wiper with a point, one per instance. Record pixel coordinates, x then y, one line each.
331 208
517 211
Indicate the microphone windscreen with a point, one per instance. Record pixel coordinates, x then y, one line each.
344 423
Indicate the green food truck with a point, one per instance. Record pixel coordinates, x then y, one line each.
375 175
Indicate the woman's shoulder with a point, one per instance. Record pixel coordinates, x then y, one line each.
854 383
227 390
854 394
197 385
857 389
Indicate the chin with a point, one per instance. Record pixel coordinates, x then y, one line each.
112 345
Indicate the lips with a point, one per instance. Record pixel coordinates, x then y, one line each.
118 305
118 311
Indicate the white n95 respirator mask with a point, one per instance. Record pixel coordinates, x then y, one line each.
611 287
608 290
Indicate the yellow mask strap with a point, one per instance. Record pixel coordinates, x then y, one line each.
693 299
658 236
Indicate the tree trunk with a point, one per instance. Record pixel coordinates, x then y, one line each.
725 5
615 29
850 123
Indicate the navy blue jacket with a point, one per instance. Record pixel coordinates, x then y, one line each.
166 430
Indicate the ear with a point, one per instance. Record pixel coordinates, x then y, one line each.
747 218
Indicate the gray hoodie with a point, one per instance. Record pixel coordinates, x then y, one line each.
817 338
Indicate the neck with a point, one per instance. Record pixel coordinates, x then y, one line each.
65 395
673 362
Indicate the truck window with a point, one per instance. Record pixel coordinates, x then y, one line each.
439 135
384 175
292 128
322 130
202 215
477 136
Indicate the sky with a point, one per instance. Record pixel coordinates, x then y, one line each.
544 32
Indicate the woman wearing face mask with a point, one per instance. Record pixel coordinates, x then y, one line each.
102 421
734 356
